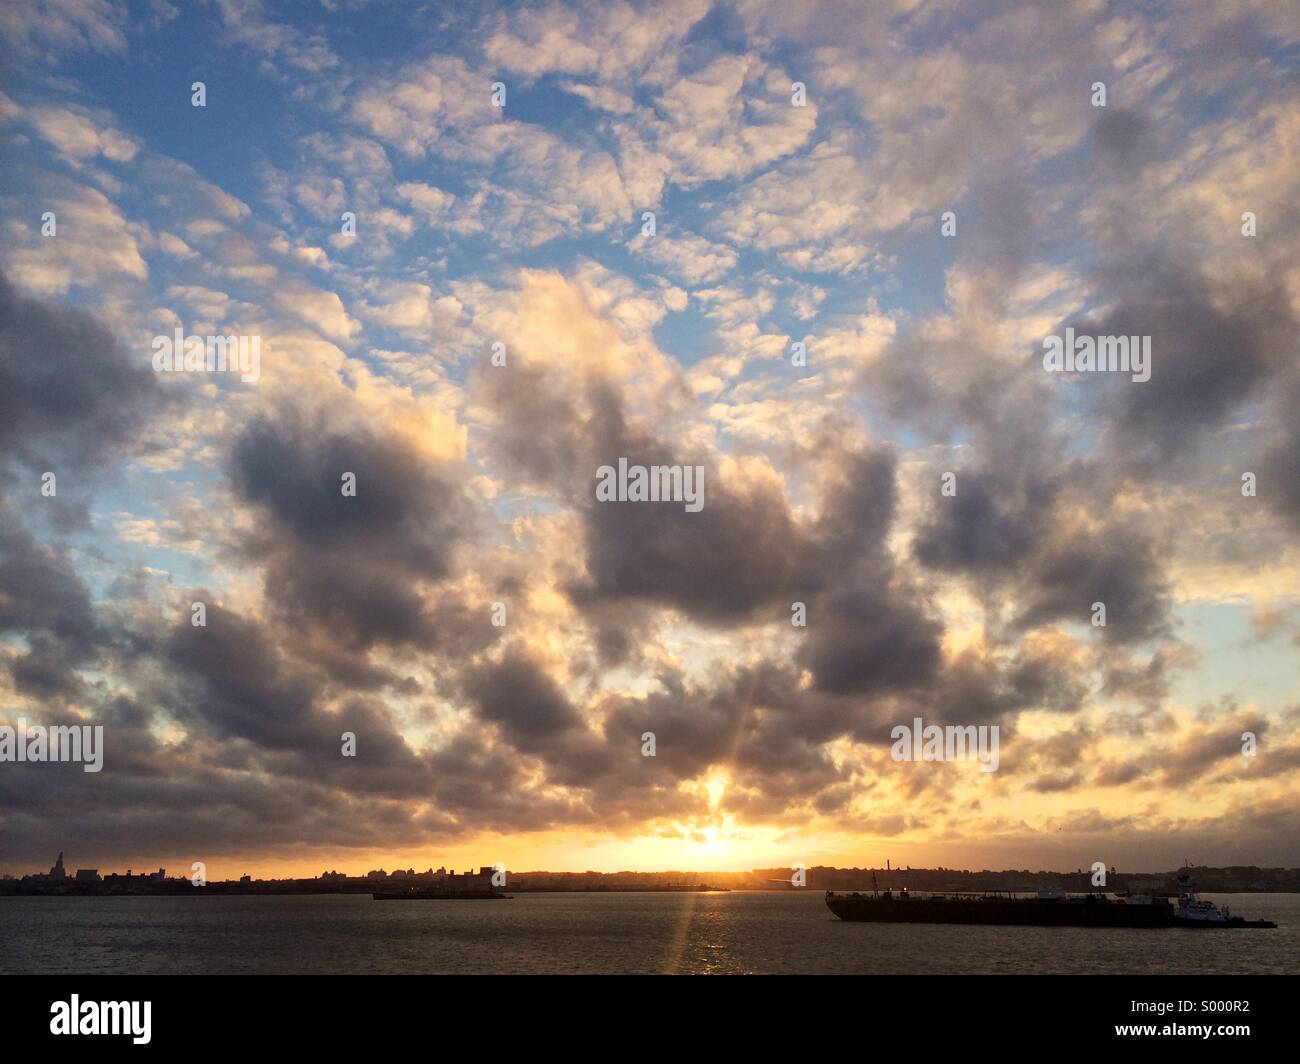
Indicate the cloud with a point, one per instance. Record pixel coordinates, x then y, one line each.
66 25
70 395
347 565
43 599
824 482
248 27
76 135
611 41
94 244
319 309
687 257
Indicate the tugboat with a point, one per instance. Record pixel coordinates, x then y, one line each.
1194 911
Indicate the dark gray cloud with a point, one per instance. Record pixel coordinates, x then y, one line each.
870 641
1116 566
45 601
1122 139
1213 346
1014 531
70 395
70 399
237 683
738 554
350 567
536 717
231 681
524 701
992 523
1278 483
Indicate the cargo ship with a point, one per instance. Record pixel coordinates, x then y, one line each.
1048 908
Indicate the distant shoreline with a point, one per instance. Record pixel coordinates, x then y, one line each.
215 890
219 890
1236 879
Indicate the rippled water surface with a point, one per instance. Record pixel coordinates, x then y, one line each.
766 932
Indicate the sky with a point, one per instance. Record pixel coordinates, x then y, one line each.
812 250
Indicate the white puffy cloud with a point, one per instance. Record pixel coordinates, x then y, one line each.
687 257
79 137
95 245
318 309
65 25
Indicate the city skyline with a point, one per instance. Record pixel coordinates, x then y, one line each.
62 875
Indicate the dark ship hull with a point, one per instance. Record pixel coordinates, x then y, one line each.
1022 912
1087 911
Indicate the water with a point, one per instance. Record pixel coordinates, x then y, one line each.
740 932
